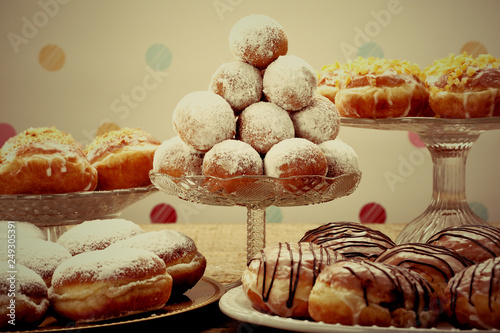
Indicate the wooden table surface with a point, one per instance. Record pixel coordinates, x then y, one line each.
224 247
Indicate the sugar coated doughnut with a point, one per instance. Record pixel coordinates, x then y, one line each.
44 160
184 262
369 293
353 240
203 118
341 157
378 88
123 158
317 122
30 294
464 86
100 285
41 256
473 296
279 279
21 230
436 264
239 83
176 158
290 82
295 157
97 234
264 124
475 242
258 40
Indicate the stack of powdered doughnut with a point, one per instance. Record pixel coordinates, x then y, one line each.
260 115
350 274
45 160
97 270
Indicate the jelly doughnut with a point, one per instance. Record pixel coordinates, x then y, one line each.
341 157
176 158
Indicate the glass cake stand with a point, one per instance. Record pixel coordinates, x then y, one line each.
449 142
53 212
256 193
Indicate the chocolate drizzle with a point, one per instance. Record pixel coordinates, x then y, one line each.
350 238
295 253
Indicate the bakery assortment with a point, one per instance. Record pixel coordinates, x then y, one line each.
44 160
463 86
266 99
122 158
280 278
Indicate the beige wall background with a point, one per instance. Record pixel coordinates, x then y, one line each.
106 76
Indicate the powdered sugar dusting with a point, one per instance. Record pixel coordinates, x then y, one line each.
23 230
176 155
97 234
232 158
341 157
264 124
239 83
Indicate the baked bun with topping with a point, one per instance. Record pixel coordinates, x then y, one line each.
239 83
464 86
279 279
376 88
436 264
473 296
101 285
123 158
367 293
290 82
258 40
44 160
475 242
203 118
176 158
353 240
185 264
31 298
97 234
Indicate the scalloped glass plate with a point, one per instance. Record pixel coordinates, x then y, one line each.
236 305
47 210
259 191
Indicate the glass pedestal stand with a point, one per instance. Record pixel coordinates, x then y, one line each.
449 142
256 193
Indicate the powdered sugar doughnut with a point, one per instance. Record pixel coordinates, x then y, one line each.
239 83
21 229
176 158
317 122
229 159
258 40
100 285
290 82
203 118
179 252
39 255
341 157
31 301
264 124
97 234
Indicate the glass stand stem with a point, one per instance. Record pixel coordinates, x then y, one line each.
256 230
448 206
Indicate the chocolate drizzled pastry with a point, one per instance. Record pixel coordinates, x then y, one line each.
475 242
352 239
361 292
279 279
473 296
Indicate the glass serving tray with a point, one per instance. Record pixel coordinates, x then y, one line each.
256 193
449 142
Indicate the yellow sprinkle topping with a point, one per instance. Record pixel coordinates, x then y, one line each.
460 68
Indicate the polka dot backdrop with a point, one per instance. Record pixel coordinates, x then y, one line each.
371 29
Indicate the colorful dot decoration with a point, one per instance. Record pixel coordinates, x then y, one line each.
274 215
158 57
370 49
163 213
52 57
6 132
372 213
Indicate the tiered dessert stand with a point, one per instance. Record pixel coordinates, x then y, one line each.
256 193
54 212
449 142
